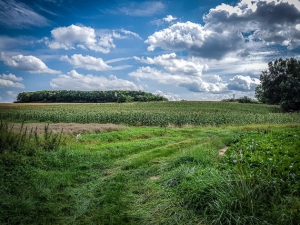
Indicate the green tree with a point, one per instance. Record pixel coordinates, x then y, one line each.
280 84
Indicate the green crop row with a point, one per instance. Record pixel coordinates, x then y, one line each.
151 114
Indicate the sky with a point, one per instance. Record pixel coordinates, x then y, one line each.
180 49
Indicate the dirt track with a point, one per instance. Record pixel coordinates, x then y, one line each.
67 128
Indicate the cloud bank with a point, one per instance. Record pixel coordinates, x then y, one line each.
76 81
232 29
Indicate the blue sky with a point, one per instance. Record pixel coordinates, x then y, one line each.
192 50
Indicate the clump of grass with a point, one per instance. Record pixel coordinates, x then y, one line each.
27 141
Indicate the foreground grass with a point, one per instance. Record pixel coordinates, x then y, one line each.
149 175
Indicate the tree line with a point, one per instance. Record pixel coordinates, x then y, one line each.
73 96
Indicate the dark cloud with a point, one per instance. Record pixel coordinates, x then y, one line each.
269 21
217 45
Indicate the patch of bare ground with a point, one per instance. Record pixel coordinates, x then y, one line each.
223 150
67 128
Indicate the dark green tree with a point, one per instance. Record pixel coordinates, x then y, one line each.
280 84
70 96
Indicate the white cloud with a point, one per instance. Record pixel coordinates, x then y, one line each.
243 83
86 38
234 65
10 76
195 39
80 36
74 80
11 84
28 63
87 62
187 73
18 15
8 80
170 96
174 65
128 32
191 83
169 18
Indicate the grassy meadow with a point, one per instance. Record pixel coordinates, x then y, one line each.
149 163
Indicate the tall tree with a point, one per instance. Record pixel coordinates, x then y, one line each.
280 84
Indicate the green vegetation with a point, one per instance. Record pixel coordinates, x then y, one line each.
244 99
88 96
280 84
150 114
153 175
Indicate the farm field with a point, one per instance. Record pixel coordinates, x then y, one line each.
153 163
149 114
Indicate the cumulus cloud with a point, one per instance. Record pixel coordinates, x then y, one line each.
87 62
10 76
187 73
174 65
8 80
28 63
269 21
170 96
191 83
76 81
18 15
81 37
243 83
196 39
169 18
87 38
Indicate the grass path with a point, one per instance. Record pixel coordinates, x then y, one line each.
125 188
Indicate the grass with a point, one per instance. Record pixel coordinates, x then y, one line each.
147 175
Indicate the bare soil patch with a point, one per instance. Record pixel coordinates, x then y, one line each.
68 128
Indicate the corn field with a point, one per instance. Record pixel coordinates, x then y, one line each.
149 113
